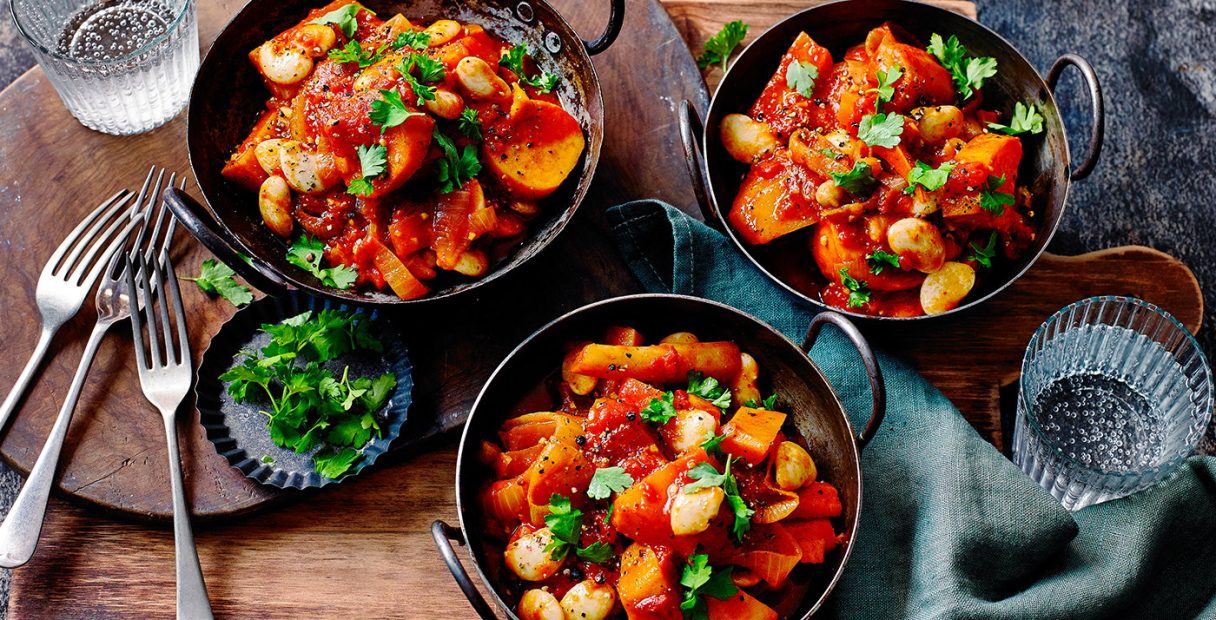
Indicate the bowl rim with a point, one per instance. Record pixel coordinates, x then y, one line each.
838 410
594 141
806 16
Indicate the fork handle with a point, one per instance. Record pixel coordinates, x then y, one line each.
192 601
23 524
23 380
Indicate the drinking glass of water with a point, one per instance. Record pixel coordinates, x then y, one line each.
120 66
1115 393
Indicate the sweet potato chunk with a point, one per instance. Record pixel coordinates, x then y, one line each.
639 511
780 106
534 149
659 363
775 199
649 583
751 433
1000 153
741 606
924 81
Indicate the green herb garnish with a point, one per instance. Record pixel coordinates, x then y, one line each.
457 167
881 129
660 410
1026 119
859 181
886 89
800 77
389 110
859 292
993 201
608 480
984 255
343 17
709 388
879 259
700 580
306 253
720 46
565 523
926 176
968 73
216 278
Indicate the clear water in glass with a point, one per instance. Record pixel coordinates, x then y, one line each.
1114 394
120 66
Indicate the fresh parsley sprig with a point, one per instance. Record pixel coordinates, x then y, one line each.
413 39
565 522
354 52
372 162
881 129
216 278
608 480
983 255
343 17
767 404
700 580
800 77
513 59
706 476
928 177
468 124
885 90
993 201
968 73
389 111
859 181
720 46
456 167
881 259
660 410
859 291
1025 119
709 388
307 252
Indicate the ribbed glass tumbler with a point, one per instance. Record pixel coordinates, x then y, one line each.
120 66
1115 393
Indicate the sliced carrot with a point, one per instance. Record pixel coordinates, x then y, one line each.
648 586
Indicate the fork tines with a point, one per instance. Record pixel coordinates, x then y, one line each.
104 230
154 284
149 201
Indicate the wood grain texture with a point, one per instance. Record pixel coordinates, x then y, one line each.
364 549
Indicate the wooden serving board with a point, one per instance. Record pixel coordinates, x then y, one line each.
363 549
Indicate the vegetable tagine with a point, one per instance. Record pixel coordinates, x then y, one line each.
395 155
654 482
888 168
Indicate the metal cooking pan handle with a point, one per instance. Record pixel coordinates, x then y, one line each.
878 390
690 128
195 217
616 18
1097 106
444 534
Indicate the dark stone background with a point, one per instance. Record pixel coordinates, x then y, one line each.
1155 183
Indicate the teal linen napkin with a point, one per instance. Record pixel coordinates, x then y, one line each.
950 528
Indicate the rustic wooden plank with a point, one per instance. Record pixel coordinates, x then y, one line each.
364 549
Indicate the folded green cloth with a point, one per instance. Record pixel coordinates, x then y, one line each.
950 527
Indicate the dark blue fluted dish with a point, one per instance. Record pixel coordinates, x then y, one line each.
239 431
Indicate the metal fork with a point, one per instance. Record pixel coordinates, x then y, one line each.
166 381
23 524
67 278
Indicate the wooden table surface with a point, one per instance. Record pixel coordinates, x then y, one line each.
364 549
